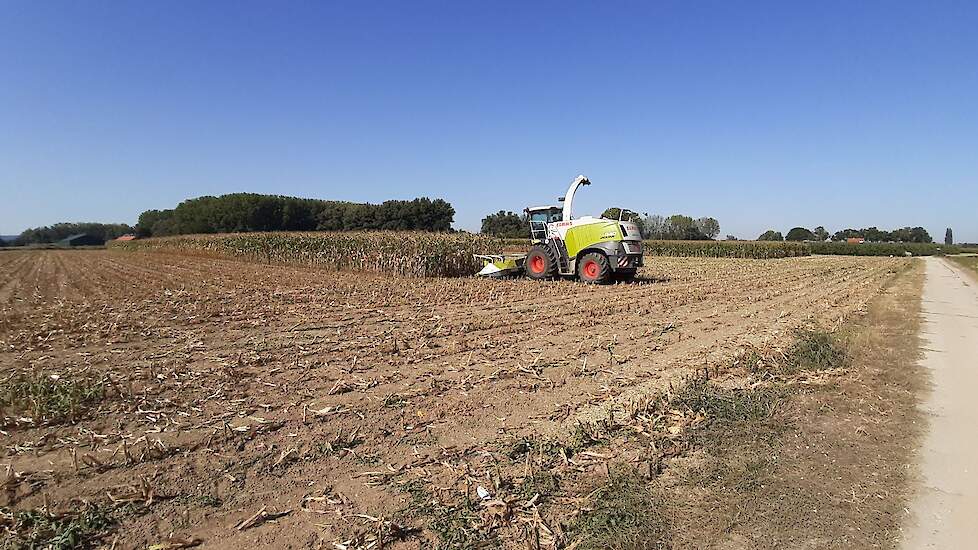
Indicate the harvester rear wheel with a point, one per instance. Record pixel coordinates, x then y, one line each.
541 262
594 268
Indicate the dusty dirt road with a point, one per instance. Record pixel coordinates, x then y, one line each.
942 515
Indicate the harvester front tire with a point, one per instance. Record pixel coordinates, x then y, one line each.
594 268
541 262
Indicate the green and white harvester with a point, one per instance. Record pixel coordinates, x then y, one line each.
595 250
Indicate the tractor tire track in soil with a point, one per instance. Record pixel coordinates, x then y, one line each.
237 386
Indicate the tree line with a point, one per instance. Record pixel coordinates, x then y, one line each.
60 231
680 227
508 224
871 234
245 212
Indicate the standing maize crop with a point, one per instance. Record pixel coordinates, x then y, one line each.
405 253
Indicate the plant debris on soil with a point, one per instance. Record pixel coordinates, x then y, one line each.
235 404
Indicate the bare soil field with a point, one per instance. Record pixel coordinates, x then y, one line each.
242 404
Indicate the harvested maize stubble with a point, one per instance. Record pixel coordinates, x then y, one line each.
404 253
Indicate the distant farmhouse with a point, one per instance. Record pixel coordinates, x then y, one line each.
81 239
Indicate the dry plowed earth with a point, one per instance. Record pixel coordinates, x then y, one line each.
319 397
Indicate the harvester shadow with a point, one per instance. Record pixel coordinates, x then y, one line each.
642 281
637 281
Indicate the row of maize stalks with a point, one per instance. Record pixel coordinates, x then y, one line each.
883 249
416 254
711 249
727 249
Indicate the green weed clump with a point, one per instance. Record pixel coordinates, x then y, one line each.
813 349
817 350
725 405
30 529
50 398
624 514
455 525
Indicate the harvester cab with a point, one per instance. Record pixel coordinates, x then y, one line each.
595 250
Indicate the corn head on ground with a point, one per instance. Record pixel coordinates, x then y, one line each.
250 405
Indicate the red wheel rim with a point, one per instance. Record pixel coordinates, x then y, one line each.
591 269
537 264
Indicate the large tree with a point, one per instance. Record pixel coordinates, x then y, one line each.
920 235
820 233
656 227
684 228
771 235
800 234
709 227
505 224
949 237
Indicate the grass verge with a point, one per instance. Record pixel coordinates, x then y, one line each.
734 473
969 263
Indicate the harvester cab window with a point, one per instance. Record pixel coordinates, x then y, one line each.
540 216
548 215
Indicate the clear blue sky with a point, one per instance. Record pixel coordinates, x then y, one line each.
763 115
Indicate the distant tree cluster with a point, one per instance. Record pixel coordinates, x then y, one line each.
771 235
872 234
800 234
244 212
505 224
681 228
797 234
59 231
